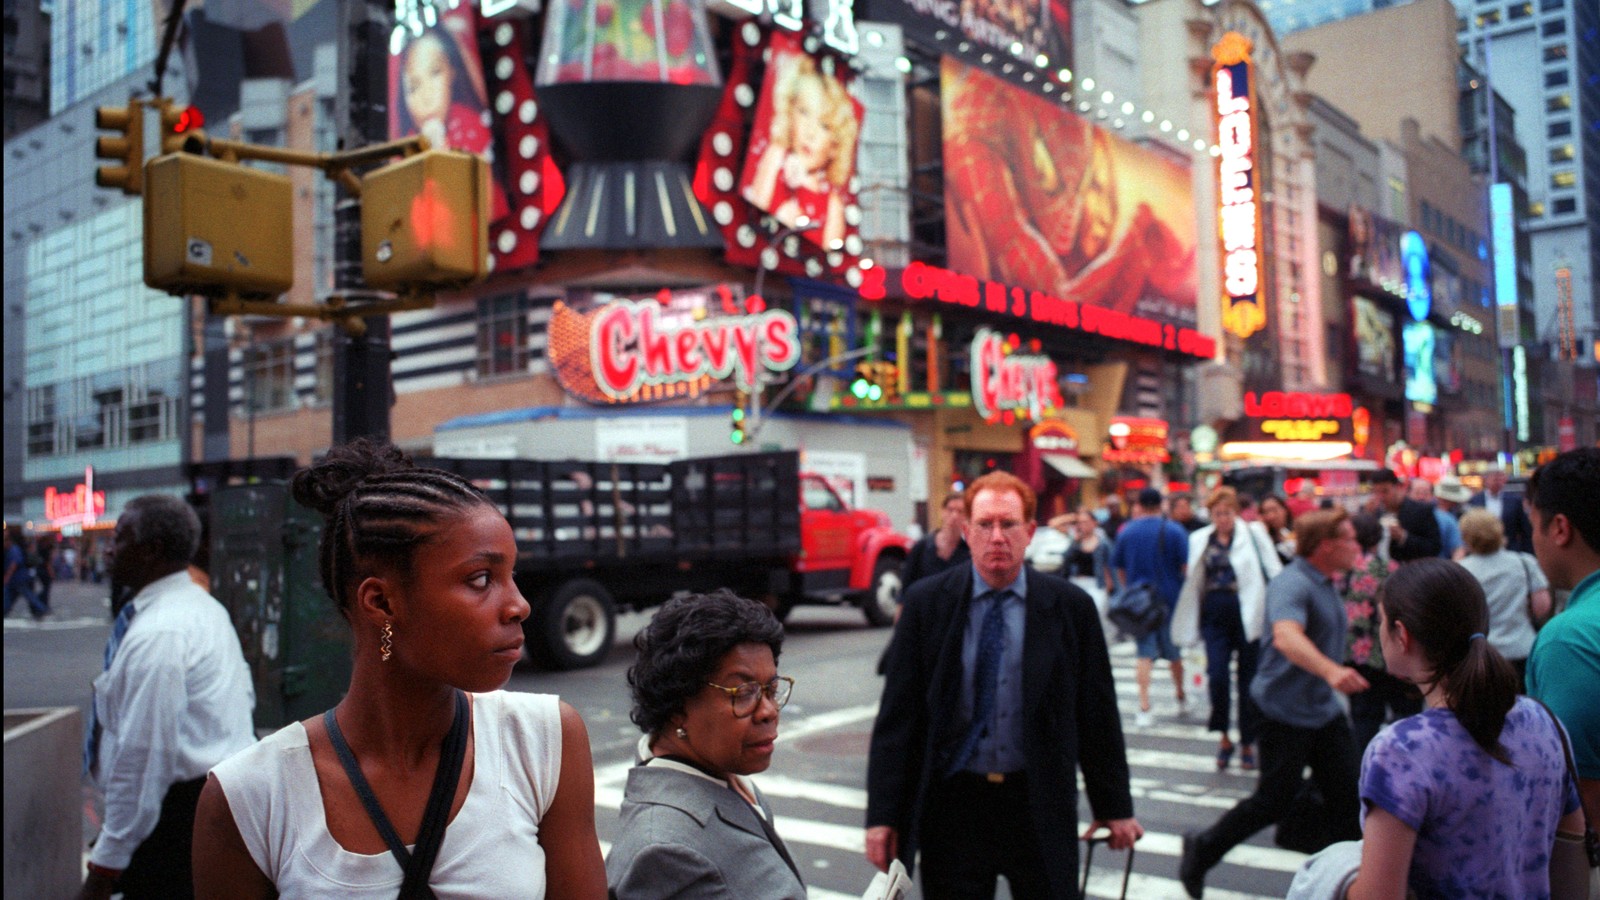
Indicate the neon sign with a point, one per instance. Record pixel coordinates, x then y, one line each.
1296 416
1005 382
1244 310
629 347
81 507
922 282
1418 275
1136 440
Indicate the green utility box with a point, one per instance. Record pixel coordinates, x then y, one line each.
264 570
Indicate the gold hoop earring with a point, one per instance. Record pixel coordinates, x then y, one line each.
386 645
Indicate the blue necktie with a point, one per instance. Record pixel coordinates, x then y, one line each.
985 677
91 734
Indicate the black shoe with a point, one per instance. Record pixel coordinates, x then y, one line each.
1190 871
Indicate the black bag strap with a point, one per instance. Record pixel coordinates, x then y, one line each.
1591 841
418 862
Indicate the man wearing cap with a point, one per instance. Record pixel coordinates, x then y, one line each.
1449 496
1508 506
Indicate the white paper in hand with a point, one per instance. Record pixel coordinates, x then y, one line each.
894 884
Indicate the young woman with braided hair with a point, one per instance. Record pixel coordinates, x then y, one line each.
1465 798
365 799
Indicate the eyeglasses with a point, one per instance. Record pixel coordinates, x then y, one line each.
745 697
1002 525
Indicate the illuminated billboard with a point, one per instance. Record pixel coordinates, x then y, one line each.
438 89
1376 351
802 152
1421 386
1038 32
1039 199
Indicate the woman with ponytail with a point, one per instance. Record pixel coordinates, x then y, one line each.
1463 799
426 778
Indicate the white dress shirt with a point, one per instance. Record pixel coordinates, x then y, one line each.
176 701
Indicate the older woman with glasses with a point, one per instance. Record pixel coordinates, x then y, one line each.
706 692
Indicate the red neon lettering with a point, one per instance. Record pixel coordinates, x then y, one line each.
730 346
1004 383
613 364
1297 405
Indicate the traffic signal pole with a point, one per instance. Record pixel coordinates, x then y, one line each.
362 378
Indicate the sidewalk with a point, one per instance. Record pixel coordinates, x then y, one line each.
73 604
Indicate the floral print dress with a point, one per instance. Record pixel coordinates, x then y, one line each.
1362 647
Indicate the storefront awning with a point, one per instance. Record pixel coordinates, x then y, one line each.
1070 466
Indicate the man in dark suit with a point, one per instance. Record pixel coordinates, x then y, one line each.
1413 531
998 688
1508 506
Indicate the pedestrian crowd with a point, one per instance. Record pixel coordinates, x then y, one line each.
1431 662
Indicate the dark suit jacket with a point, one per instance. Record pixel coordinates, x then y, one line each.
1422 532
1070 715
685 836
1513 518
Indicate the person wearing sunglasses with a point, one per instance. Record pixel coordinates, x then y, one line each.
706 693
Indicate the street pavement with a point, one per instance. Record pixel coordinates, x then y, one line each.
817 783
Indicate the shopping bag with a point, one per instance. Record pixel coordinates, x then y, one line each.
1137 610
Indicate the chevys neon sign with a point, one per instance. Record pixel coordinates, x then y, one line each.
1004 382
82 506
630 347
1295 416
919 282
1244 310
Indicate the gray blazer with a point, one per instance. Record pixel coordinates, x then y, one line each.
684 836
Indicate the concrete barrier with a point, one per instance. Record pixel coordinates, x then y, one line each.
43 824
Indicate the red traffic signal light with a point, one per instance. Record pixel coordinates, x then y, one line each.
180 128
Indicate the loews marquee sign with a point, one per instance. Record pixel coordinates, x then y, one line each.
1296 416
1244 304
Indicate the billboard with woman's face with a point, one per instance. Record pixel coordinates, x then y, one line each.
802 153
1039 198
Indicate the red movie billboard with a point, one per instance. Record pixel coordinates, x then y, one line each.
1037 197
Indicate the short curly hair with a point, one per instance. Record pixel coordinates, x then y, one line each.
683 645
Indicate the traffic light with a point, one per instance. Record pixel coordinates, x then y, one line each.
128 149
874 382
213 227
180 128
737 435
425 221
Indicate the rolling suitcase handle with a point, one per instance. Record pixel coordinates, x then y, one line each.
1088 858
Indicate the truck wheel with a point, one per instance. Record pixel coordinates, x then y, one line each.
577 625
883 597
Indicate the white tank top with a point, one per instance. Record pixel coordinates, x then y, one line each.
491 848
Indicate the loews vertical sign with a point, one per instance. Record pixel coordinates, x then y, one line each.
1244 310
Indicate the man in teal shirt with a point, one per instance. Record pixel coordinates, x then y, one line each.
1564 667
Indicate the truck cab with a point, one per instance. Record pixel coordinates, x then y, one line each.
846 554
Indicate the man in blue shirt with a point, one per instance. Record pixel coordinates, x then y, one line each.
1154 549
18 577
1297 687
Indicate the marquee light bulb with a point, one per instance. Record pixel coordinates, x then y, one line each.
1166 125
1088 84
1106 97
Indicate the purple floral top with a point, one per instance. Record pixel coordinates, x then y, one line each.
1484 828
1361 646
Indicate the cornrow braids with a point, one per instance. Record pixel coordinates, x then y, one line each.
379 507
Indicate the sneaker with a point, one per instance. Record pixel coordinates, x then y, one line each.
1143 719
1183 707
1189 870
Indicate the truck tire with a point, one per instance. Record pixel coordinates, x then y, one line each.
883 596
576 625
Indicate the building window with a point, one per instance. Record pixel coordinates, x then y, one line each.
322 390
1561 154
1560 128
269 375
1556 78
503 335
1551 5
1553 27
1555 52
1558 102
1491 17
1565 179
1535 208
1519 11
1565 206
42 421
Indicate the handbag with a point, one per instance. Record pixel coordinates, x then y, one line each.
1137 609
1574 862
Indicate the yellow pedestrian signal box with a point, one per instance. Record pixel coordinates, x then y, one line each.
212 227
128 150
425 221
